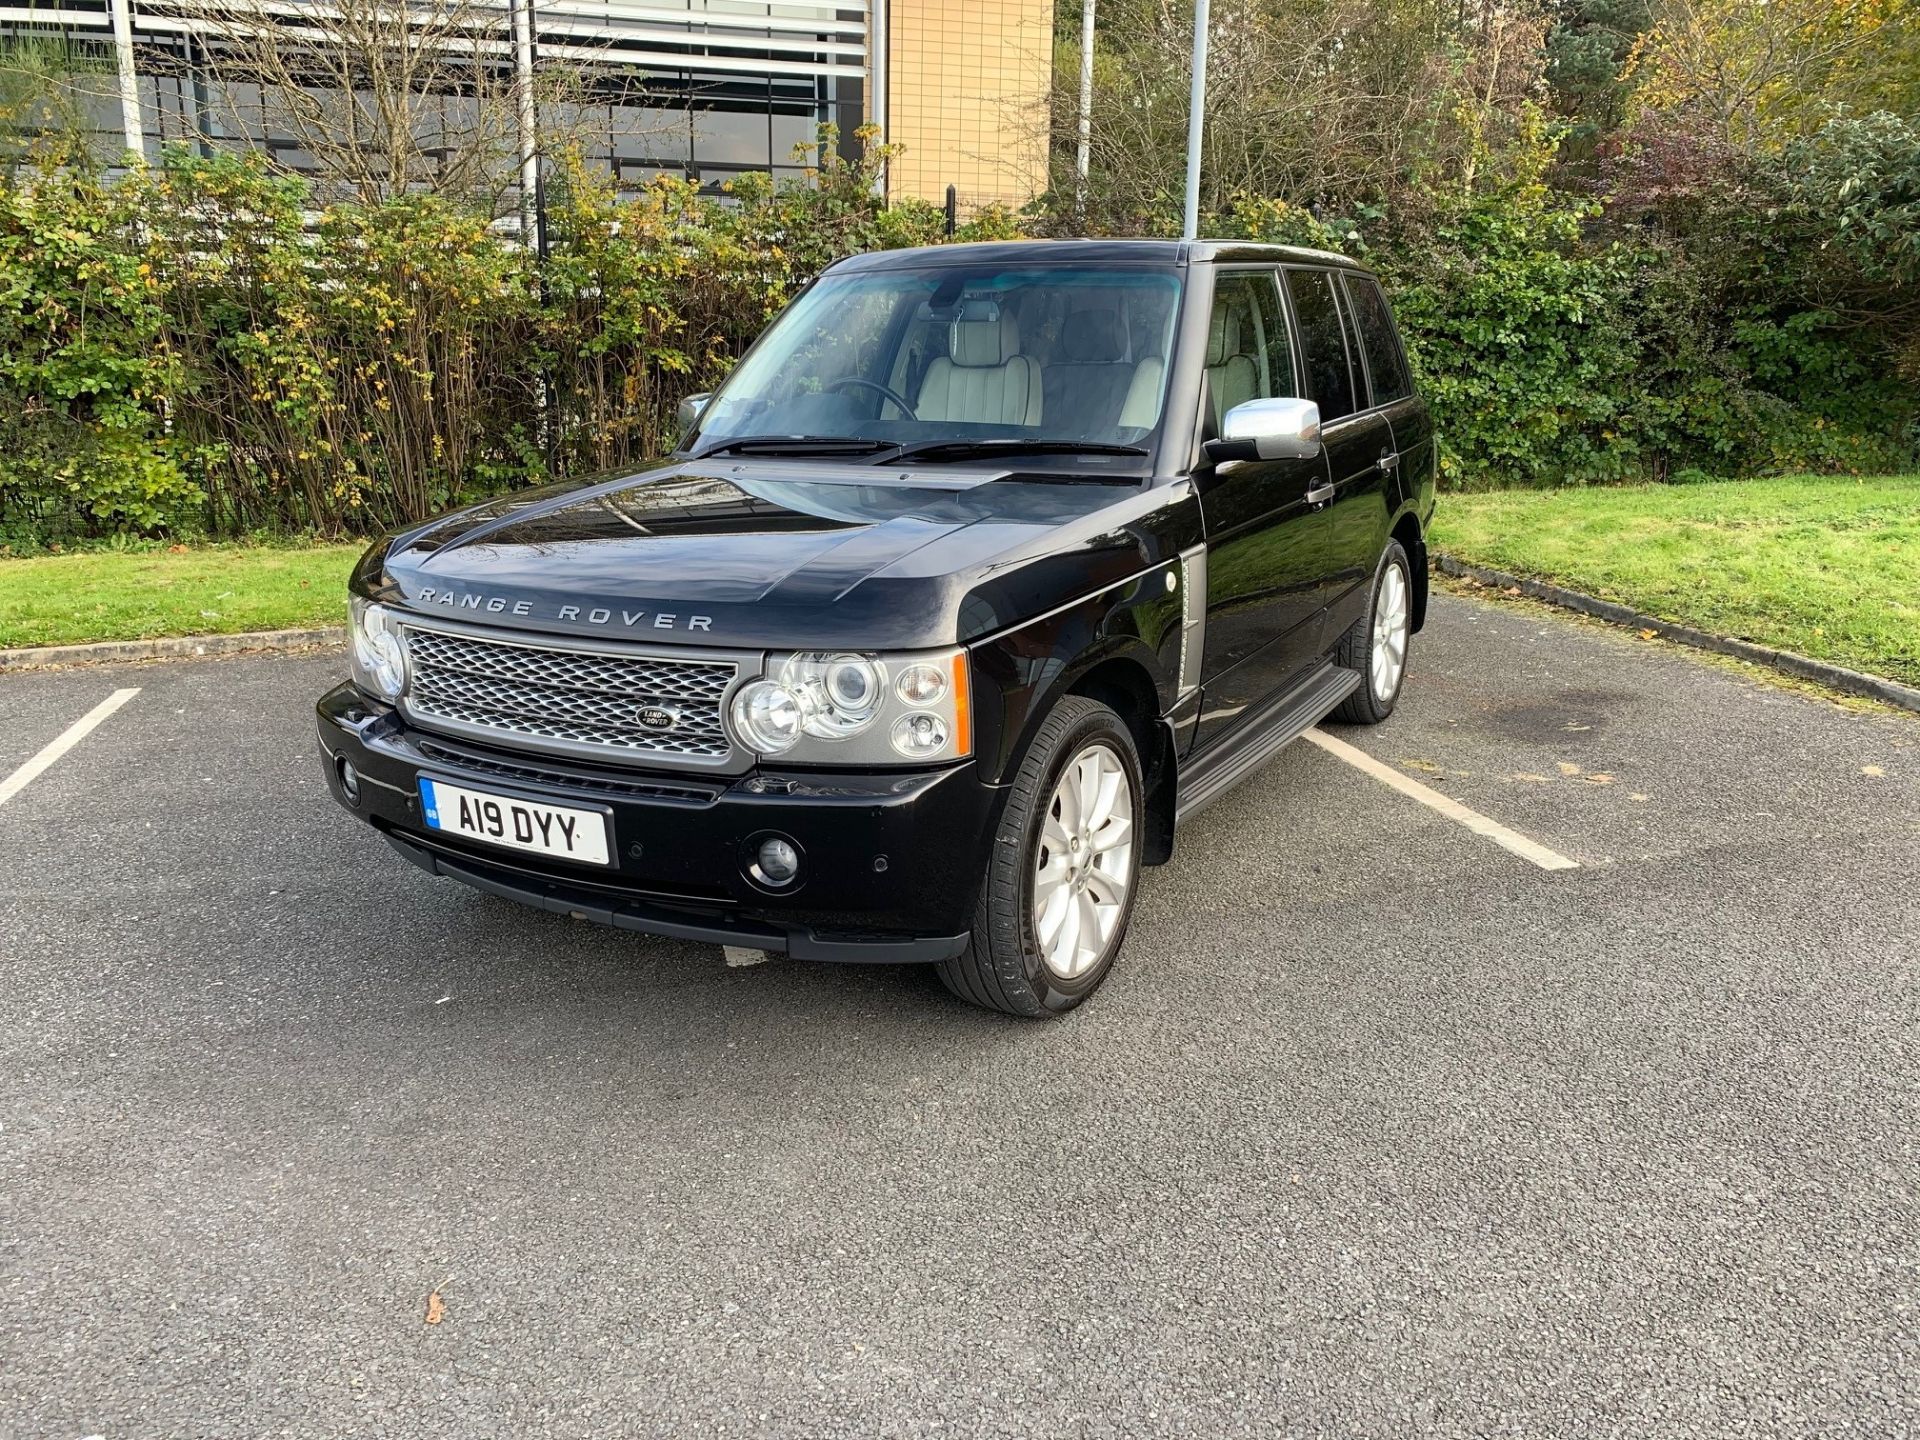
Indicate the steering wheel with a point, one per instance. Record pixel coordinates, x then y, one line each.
848 382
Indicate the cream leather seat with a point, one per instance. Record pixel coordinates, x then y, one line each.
984 379
1085 386
1142 406
1231 375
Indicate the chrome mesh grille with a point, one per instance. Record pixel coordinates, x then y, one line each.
568 699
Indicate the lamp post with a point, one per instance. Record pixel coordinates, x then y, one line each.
1086 109
131 132
526 122
1196 119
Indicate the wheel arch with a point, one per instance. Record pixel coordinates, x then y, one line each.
1407 531
1125 686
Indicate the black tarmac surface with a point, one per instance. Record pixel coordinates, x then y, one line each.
1377 1130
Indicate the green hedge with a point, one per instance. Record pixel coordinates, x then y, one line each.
191 350
1551 358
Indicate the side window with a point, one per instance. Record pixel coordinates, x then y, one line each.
1249 356
1329 380
1385 369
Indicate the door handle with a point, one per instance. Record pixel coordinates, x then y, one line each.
1389 461
1320 495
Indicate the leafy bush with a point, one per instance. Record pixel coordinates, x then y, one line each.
1559 349
1518 338
197 348
83 365
357 375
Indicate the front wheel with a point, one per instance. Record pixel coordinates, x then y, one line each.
1060 885
1376 645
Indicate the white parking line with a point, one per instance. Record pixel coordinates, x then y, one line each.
1506 839
63 742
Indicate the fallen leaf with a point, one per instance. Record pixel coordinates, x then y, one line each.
1531 778
436 1308
1871 770
1636 796
1599 777
1426 767
1575 725
1569 769
1649 634
1512 590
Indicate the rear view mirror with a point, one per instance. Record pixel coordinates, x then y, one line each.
687 413
1278 429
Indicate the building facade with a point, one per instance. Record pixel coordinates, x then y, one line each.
703 88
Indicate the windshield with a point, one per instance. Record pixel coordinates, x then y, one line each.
1056 358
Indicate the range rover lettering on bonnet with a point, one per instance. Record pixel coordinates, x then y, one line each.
581 614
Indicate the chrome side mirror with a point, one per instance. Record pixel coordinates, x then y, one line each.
687 413
1278 429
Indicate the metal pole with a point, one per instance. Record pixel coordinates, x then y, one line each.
1196 120
529 133
877 70
129 86
1086 108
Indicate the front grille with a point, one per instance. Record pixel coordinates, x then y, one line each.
569 701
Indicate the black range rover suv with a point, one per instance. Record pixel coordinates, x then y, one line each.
987 566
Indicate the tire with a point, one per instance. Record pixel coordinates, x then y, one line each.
1007 966
1368 646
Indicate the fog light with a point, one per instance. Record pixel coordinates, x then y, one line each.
778 862
919 734
349 780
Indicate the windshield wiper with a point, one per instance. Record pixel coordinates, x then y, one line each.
799 445
938 450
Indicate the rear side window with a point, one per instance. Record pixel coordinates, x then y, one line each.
1385 369
1323 342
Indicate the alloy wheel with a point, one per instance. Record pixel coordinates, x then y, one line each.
1084 866
1389 634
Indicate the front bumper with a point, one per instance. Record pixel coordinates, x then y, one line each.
892 861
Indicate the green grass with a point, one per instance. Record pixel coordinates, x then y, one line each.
144 594
1826 566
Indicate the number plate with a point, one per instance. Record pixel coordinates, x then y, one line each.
514 824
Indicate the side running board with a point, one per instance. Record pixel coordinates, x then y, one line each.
1256 739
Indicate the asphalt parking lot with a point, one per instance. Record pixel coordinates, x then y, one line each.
1378 1129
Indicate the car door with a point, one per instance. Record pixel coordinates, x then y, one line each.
1356 439
1390 384
1265 548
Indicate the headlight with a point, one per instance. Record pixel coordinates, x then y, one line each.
376 653
768 717
841 708
840 694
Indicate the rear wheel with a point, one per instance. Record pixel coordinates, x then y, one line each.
1060 885
1376 645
